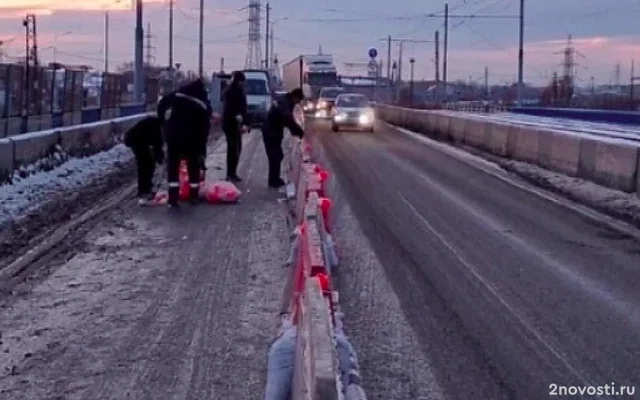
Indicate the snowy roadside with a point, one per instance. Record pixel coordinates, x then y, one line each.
40 201
25 195
621 205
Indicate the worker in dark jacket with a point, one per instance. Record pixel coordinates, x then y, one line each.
280 116
145 140
235 120
187 114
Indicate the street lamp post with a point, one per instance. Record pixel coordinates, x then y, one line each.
412 61
55 45
106 37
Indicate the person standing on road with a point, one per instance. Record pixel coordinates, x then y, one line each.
145 140
234 116
187 113
280 116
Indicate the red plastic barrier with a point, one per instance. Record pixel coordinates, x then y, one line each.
300 273
325 208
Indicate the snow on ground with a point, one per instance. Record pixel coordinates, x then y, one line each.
583 128
619 204
25 195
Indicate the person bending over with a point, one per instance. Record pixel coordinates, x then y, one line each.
186 113
280 116
145 140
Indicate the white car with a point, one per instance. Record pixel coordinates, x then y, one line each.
352 111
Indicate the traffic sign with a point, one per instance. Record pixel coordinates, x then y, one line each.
373 53
372 68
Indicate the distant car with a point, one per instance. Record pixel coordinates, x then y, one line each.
326 101
352 111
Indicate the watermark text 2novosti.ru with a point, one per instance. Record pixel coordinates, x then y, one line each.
604 390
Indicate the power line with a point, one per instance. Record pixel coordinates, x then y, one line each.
149 47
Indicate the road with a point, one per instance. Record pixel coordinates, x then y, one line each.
505 292
146 303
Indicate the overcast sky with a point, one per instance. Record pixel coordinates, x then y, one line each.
605 32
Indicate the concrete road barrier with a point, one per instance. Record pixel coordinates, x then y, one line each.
6 159
497 138
443 122
525 144
475 132
559 152
31 147
457 129
315 375
615 164
79 140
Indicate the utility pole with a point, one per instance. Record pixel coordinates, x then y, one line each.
31 63
201 42
486 83
412 61
400 42
389 62
446 47
633 80
171 35
271 47
400 47
138 73
267 37
521 55
150 58
106 41
437 64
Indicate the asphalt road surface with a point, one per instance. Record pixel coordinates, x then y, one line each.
149 303
506 293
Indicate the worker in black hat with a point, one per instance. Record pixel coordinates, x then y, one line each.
235 120
280 116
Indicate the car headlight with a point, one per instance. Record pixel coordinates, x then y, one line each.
340 117
322 104
365 119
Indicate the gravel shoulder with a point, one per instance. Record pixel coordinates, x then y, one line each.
151 304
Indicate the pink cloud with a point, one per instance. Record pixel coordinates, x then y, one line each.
597 58
10 9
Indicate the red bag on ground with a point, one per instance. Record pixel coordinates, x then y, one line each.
222 192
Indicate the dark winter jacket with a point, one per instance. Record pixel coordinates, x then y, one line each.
147 133
235 103
187 114
281 116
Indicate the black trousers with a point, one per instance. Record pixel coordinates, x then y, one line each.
234 148
273 147
177 152
146 166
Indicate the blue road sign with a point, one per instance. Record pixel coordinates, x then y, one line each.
373 53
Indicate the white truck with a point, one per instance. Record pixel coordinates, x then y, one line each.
311 72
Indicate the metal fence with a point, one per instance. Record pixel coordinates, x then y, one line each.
45 98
